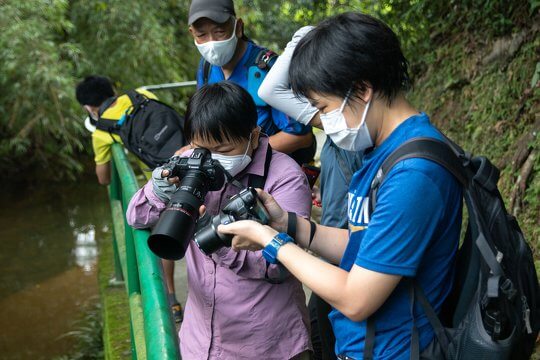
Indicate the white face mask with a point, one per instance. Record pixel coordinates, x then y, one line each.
219 53
335 126
234 163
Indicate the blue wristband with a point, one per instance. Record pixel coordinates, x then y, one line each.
270 251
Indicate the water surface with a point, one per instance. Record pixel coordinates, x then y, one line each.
48 256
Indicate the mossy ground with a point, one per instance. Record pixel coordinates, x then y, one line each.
116 332
492 109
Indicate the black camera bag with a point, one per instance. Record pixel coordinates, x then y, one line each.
495 280
150 129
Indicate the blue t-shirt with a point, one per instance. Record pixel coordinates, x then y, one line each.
270 120
413 232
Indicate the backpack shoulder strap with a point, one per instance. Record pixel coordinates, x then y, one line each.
107 125
104 124
459 164
206 67
106 105
136 98
264 59
257 181
447 156
451 158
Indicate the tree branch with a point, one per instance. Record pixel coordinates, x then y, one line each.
521 184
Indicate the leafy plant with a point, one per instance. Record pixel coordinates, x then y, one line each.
46 47
36 108
87 334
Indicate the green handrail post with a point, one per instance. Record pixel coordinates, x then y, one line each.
144 278
156 310
133 283
114 193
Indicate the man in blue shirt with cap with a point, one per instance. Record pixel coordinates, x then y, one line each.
227 54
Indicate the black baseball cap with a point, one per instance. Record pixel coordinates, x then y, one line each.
215 10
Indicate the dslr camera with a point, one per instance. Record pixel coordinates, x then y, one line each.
243 206
199 173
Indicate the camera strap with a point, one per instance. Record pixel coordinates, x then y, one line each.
291 225
235 183
258 181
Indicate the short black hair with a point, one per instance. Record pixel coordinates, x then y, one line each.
348 51
94 90
219 112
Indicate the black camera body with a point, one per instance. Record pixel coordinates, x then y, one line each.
199 173
243 206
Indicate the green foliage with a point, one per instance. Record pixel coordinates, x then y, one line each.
420 24
46 47
37 113
536 75
535 5
489 108
272 23
132 42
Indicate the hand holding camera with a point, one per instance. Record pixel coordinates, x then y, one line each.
198 174
162 185
254 234
243 206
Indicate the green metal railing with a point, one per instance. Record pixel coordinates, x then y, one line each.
153 334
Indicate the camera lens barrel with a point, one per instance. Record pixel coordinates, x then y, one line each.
174 230
171 235
209 240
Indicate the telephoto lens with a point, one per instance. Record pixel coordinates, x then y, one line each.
199 173
243 206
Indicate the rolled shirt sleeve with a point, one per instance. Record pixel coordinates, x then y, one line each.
275 90
144 208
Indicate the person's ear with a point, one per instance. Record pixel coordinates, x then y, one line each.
93 110
255 137
363 92
367 95
239 28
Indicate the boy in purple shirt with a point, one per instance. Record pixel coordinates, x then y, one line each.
239 306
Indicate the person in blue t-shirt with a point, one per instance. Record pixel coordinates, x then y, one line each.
351 68
227 54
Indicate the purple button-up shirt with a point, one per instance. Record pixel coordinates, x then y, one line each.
232 312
